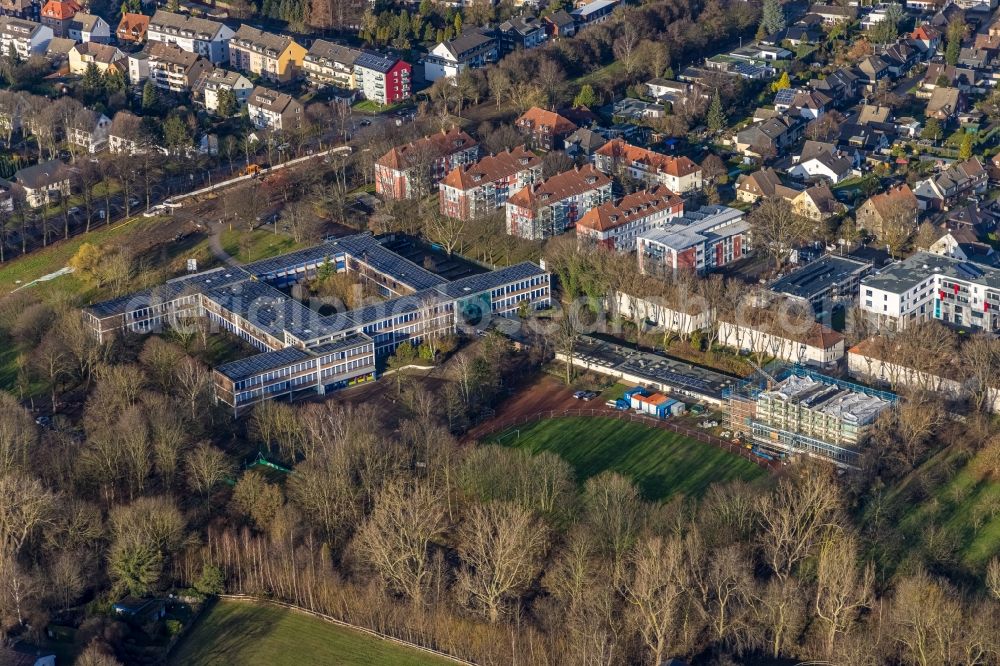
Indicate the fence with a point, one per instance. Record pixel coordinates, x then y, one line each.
699 435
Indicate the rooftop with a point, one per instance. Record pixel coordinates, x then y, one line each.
853 407
814 278
901 276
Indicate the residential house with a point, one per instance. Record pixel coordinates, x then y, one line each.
102 56
85 27
127 135
219 80
172 68
976 58
763 184
22 9
472 49
697 241
44 183
56 14
475 190
822 160
817 203
26 38
833 14
808 104
544 130
132 28
896 206
982 219
945 104
770 137
594 12
926 6
873 70
269 56
330 64
521 32
383 79
926 37
840 86
57 51
615 225
549 208
583 142
900 57
668 90
948 187
679 174
414 169
941 75
559 24
89 130
209 39
270 109
965 245
20 654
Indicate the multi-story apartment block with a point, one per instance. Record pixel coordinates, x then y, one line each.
544 129
697 241
616 225
471 50
274 110
932 286
304 352
551 207
383 79
521 32
209 39
679 174
329 64
473 191
44 183
171 68
26 38
56 14
270 56
22 9
219 80
414 169
85 27
808 413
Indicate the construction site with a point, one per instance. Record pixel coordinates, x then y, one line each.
797 410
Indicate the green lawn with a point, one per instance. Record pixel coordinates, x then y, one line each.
248 634
661 463
264 243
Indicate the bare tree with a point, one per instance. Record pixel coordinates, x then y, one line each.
207 468
777 230
27 506
501 545
842 589
653 593
396 539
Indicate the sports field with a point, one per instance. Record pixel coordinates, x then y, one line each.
661 463
244 633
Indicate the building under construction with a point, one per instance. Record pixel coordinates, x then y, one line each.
802 411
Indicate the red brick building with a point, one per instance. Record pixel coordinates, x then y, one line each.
550 208
680 174
616 225
412 170
544 130
475 190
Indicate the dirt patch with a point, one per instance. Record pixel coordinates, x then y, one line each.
547 394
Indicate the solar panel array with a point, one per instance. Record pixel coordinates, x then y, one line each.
254 365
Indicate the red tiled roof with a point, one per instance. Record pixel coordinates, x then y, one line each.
673 166
133 26
60 9
883 201
559 187
537 117
633 206
491 168
441 144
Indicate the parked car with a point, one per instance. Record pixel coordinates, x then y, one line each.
589 395
75 210
579 395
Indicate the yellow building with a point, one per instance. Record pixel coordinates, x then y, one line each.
101 55
270 56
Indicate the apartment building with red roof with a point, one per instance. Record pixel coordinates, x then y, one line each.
58 14
618 157
412 170
543 129
615 225
475 190
549 208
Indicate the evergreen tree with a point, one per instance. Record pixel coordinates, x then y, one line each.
931 130
92 79
586 97
227 105
150 97
716 118
956 32
772 17
965 148
458 24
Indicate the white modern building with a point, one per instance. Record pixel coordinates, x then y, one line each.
471 50
26 38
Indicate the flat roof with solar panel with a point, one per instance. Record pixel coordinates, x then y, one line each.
816 278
